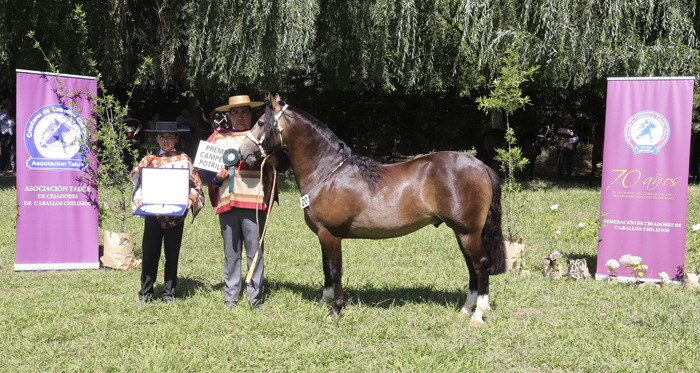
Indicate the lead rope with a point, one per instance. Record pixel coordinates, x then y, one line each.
257 221
262 190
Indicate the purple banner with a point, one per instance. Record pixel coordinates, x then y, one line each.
644 191
57 222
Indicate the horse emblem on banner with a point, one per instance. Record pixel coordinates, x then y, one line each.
647 132
52 137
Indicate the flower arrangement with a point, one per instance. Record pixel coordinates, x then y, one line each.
639 269
612 265
556 258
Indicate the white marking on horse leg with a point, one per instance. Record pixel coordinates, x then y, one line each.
328 295
482 305
471 301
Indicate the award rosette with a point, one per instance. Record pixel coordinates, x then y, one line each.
231 158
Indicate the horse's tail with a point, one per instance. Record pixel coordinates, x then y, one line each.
492 233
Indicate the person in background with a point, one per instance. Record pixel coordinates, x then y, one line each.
567 137
237 210
164 230
133 136
7 130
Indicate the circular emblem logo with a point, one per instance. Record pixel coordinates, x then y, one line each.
647 132
52 137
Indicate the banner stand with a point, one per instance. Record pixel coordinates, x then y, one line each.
57 225
644 190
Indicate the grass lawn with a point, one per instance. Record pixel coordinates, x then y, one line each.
403 296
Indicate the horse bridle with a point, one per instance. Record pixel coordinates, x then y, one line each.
279 129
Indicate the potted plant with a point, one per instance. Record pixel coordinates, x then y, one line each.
553 265
638 268
691 280
612 265
515 251
522 266
505 98
104 145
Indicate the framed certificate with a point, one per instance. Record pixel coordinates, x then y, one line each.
164 191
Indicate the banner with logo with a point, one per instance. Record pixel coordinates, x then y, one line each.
644 191
57 222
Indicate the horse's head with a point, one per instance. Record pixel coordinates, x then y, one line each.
266 135
221 121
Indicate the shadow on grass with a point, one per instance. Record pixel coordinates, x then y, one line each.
186 287
384 298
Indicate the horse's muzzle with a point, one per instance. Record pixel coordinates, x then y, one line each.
250 159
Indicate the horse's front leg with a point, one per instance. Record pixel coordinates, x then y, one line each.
328 293
332 270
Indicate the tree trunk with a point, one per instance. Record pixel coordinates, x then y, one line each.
497 119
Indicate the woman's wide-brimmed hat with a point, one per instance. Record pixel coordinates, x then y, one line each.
238 101
168 127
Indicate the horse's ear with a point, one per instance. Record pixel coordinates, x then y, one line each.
277 97
274 103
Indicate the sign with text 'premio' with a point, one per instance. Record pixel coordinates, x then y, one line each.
209 156
644 191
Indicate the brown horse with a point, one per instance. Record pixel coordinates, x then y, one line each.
349 196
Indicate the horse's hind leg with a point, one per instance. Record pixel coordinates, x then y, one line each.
472 293
332 270
478 265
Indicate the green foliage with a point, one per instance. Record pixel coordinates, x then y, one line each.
104 142
506 96
471 151
378 45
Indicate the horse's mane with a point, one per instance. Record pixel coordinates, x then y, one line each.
367 167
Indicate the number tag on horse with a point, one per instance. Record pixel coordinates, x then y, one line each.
304 200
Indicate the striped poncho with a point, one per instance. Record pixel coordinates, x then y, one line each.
171 159
247 187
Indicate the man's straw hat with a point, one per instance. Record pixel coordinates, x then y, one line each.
238 101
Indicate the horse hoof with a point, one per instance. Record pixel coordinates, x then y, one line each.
476 323
334 313
463 313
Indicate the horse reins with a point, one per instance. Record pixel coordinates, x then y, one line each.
274 183
257 221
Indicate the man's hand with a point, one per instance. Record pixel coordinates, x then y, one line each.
272 160
222 175
137 201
